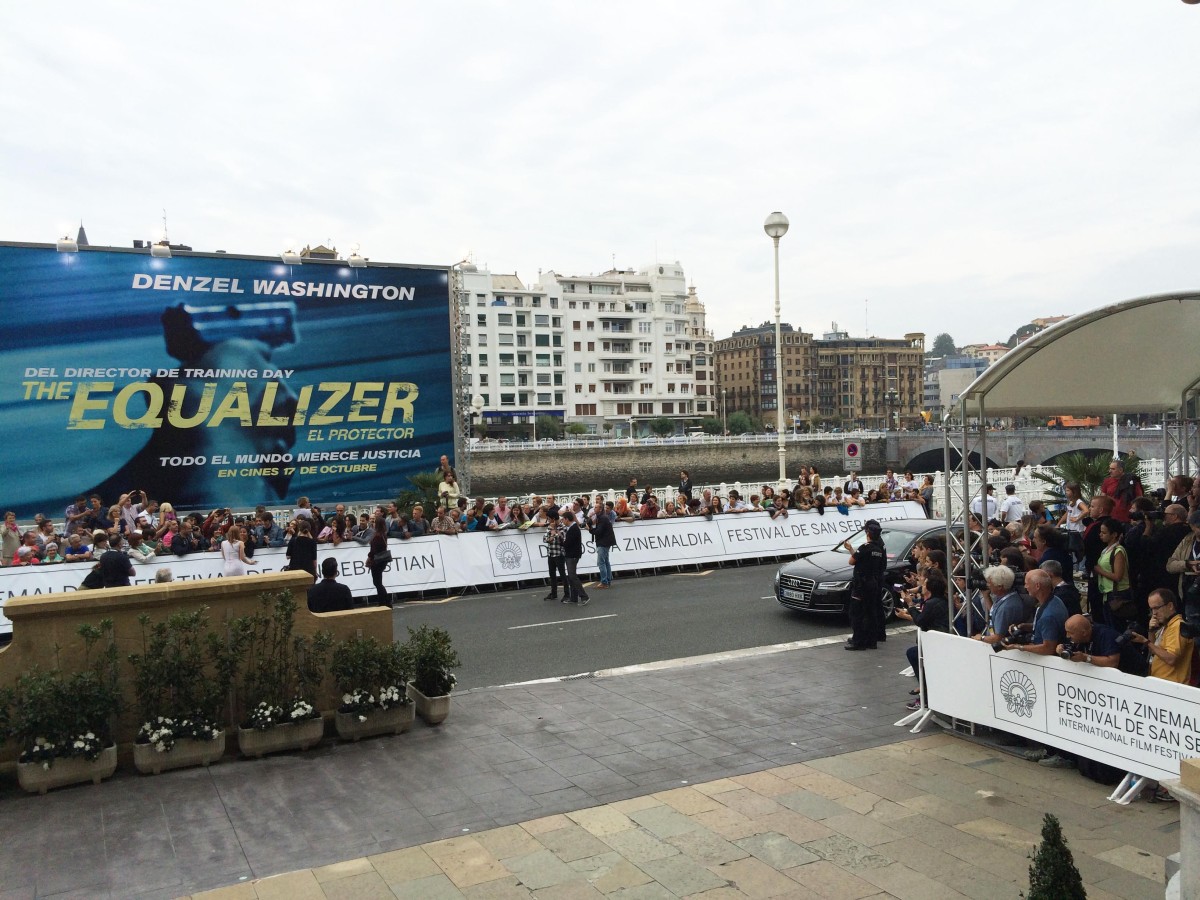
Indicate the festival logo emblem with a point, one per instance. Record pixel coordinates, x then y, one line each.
1019 693
508 554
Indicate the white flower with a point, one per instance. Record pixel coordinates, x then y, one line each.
90 736
346 698
160 747
362 718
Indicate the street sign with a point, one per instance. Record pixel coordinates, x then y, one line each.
852 456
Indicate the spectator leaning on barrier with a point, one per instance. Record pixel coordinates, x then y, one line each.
1006 608
1048 628
1064 588
1170 652
1185 559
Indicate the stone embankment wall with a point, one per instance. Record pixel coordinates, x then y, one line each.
521 472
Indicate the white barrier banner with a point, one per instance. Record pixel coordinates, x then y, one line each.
1139 725
438 561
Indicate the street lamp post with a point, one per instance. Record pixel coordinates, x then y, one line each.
724 424
776 226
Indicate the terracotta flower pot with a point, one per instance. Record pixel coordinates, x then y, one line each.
37 780
186 752
395 720
432 709
290 736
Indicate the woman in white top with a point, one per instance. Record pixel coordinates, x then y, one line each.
233 553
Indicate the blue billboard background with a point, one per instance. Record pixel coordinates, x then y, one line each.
216 380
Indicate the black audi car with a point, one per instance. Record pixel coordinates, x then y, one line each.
820 583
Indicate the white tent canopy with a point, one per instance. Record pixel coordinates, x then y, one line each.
1136 356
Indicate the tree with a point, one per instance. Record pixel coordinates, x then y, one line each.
549 427
1088 472
608 427
711 426
577 428
943 345
1052 874
424 491
662 426
740 423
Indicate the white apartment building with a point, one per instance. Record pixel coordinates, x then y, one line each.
616 349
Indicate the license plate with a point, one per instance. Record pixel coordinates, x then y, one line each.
794 595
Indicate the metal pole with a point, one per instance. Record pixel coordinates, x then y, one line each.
724 424
779 376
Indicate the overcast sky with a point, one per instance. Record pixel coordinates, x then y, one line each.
964 167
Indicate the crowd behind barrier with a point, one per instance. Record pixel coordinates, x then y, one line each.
1082 637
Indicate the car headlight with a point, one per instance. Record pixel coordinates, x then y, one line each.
833 585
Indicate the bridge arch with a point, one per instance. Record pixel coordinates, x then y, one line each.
935 461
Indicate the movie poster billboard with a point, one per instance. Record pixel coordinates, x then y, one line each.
213 380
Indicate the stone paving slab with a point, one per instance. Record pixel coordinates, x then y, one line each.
728 838
775 775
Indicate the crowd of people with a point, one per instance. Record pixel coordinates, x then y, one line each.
1113 582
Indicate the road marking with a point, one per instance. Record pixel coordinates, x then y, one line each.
701 660
562 622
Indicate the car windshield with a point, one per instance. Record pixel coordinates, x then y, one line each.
894 542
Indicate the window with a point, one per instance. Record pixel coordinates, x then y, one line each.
646 367
483 380
575 326
506 339
543 359
558 360
579 388
481 320
578 367
508 399
558 398
556 322
591 346
543 399
670 348
585 409
543 378
668 327
554 303
645 409
483 359
685 389
541 321
508 379
504 319
481 299
482 340
487 399
671 387
591 389
624 409
520 320
558 379
645 327
591 367
537 301
577 347
557 340
541 340
645 347
506 359
668 409
671 367
591 326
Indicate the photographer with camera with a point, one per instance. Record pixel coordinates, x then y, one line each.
1185 562
1006 608
1170 652
1094 644
1151 539
1048 628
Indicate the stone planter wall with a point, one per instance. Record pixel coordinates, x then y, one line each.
432 709
186 752
396 720
38 780
292 736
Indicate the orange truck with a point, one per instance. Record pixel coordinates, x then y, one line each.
1074 422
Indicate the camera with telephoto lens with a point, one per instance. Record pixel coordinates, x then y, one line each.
1069 649
1127 635
1016 637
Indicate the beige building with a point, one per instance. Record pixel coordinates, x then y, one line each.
869 382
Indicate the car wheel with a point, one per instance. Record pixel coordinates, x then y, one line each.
888 599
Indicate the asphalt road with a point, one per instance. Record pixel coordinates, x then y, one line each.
513 635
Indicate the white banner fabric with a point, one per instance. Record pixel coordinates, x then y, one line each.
439 561
1139 725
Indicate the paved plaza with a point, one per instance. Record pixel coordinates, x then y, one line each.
776 775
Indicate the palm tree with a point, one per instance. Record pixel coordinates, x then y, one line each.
424 491
1088 472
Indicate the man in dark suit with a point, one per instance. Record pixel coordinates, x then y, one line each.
328 595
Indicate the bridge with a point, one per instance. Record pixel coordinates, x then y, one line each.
922 451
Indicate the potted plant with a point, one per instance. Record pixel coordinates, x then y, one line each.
372 679
278 678
63 721
432 657
181 681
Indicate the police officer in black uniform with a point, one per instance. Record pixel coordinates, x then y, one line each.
866 588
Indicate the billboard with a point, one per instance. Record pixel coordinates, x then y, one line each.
212 380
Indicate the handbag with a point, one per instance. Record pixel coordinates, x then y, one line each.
1120 604
382 558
